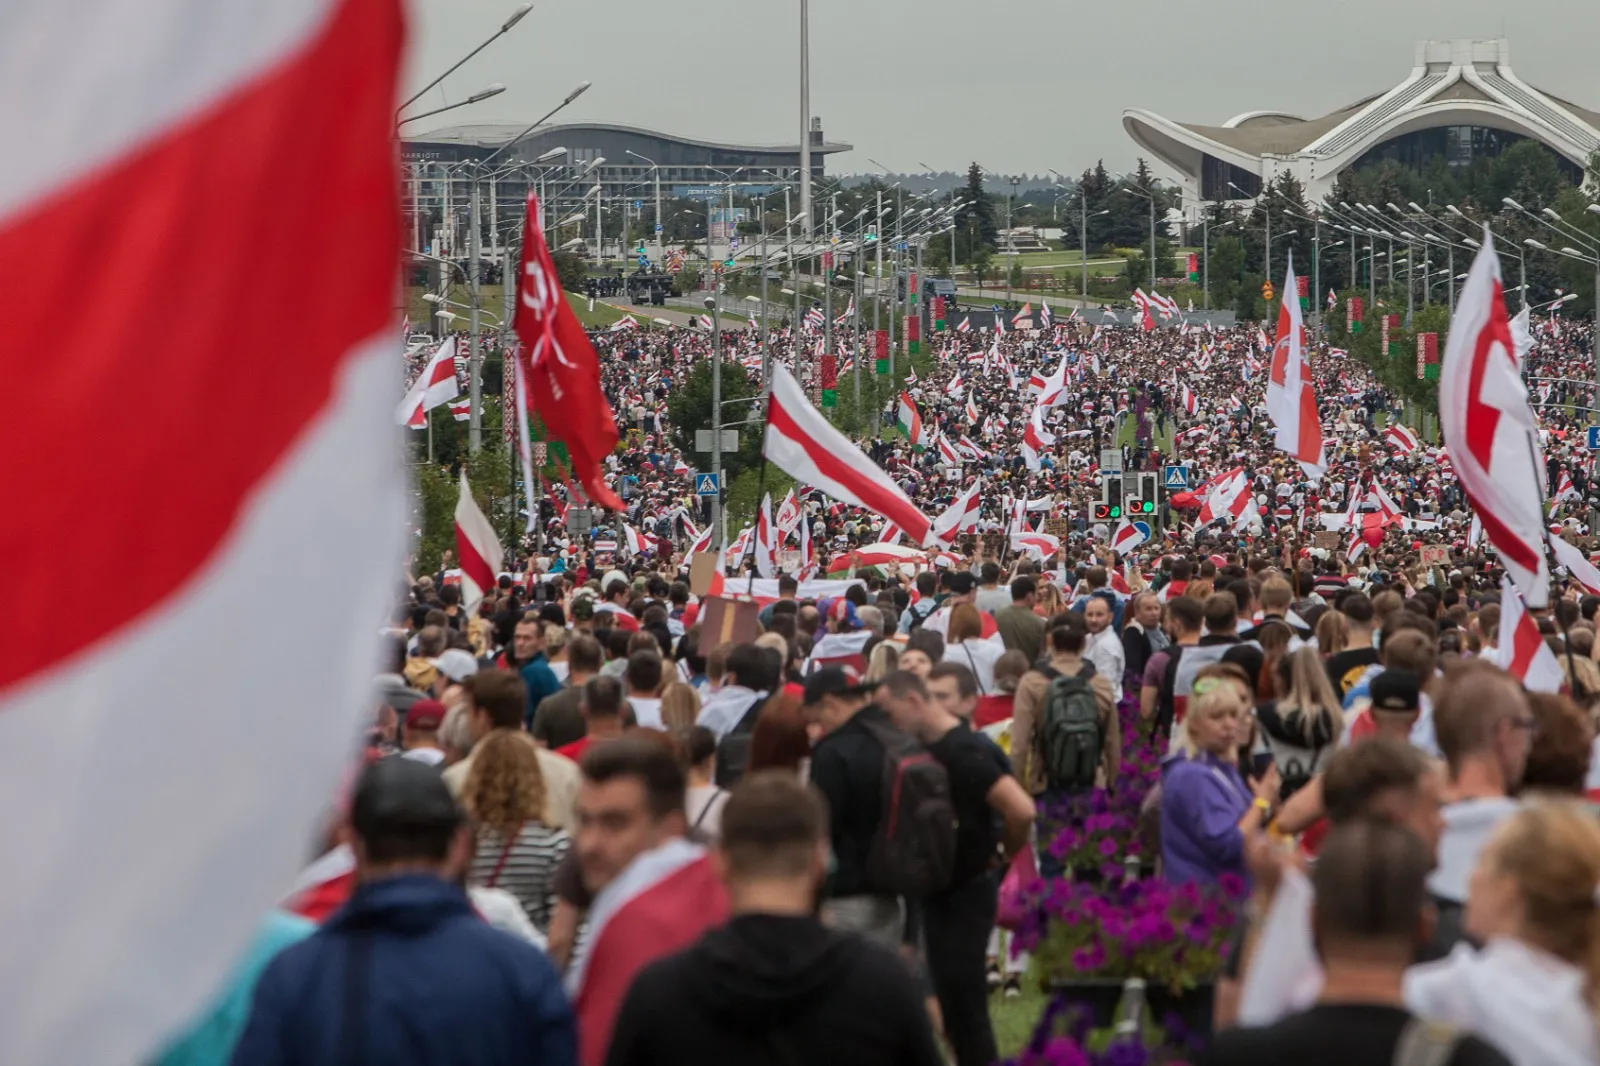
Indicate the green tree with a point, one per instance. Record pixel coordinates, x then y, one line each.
976 205
570 270
1227 265
689 409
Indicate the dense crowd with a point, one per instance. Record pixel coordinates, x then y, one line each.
603 819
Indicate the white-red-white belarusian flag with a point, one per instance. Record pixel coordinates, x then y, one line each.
165 162
635 542
1190 404
477 547
1520 650
1401 439
1577 564
1020 320
1291 400
435 385
461 410
1127 537
807 447
960 515
766 540
910 420
1045 317
1489 429
1036 439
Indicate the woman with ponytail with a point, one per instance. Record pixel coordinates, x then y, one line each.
1533 989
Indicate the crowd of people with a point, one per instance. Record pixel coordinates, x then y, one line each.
596 824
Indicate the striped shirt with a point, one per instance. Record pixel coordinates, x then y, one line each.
529 869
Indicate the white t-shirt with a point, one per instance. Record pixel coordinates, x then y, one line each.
646 712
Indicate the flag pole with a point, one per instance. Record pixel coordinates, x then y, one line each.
761 478
1551 561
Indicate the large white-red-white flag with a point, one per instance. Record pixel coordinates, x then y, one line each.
1577 564
1489 429
961 514
1520 650
1127 537
1291 400
806 446
435 385
163 158
477 547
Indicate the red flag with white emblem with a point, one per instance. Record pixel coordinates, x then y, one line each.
563 370
1490 430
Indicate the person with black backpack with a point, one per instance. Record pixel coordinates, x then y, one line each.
1065 735
890 817
959 917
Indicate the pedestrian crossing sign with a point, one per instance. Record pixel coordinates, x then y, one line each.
1176 478
705 484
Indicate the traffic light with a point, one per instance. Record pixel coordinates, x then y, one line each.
1266 291
1135 506
1107 511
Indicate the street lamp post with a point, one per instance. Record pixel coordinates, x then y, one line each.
505 27
716 411
1011 242
805 115
661 250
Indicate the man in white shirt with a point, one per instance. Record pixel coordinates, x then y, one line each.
644 688
419 734
1104 647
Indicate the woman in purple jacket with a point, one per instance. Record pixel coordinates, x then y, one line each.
1207 809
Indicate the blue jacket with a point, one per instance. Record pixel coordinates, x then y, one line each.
541 682
425 978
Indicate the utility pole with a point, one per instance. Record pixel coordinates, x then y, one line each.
805 116
1083 241
1011 241
716 417
475 349
766 357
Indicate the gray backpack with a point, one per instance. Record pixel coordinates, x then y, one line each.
1070 734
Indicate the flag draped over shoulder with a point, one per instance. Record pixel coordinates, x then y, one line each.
563 372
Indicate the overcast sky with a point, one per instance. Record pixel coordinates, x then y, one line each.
1019 85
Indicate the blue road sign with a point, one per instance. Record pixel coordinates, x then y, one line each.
1594 438
638 205
658 227
1143 528
705 484
1175 477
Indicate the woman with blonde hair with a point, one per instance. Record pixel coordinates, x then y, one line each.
518 846
1048 601
1207 810
680 706
883 661
964 644
1303 725
1332 634
1533 989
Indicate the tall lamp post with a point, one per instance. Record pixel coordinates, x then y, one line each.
661 247
505 28
1149 198
805 116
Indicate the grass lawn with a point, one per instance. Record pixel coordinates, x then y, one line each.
1014 1019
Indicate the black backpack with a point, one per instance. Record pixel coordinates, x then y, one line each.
913 850
1070 734
733 750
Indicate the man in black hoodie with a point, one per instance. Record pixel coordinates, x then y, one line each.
774 985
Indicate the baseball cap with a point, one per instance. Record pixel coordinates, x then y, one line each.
842 610
396 795
1395 690
392 691
456 664
425 714
831 681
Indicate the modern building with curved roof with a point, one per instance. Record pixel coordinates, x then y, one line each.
1462 101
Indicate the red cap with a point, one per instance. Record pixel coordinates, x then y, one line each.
425 714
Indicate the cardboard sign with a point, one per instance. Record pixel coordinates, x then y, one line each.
1326 541
702 568
1435 555
728 619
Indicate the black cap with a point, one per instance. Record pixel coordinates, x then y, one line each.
831 681
397 794
961 582
1396 690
